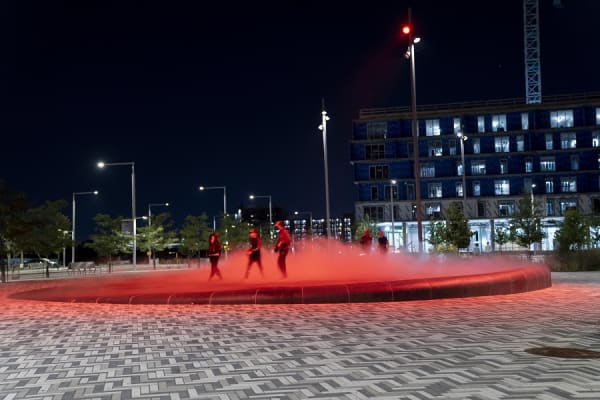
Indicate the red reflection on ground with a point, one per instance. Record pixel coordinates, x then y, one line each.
318 271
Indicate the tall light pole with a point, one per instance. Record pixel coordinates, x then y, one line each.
462 139
407 30
323 127
94 192
224 195
133 218
252 197
393 184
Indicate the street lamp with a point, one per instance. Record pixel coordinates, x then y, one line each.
150 210
410 53
533 185
323 127
224 195
393 184
463 138
309 221
133 218
252 197
94 192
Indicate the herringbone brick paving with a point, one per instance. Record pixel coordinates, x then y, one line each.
470 348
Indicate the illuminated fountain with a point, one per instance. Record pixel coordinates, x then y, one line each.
318 272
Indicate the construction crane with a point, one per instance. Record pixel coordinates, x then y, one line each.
533 72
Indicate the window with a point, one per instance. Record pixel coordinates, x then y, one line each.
452 147
427 170
394 191
478 167
379 172
568 140
476 188
373 213
499 123
374 193
481 209
433 210
432 127
520 143
457 125
459 189
527 185
459 168
547 164
561 119
410 191
549 145
476 146
596 139
480 124
598 116
374 151
566 204
503 166
549 185
409 149
501 144
377 130
435 190
596 205
435 148
568 185
506 208
501 187
528 165
574 163
549 208
524 121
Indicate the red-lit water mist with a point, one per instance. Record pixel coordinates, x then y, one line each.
319 271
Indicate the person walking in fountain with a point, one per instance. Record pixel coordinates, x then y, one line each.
382 242
254 252
365 241
214 252
282 247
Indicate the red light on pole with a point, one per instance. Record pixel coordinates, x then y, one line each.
406 29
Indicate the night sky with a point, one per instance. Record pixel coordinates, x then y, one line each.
229 94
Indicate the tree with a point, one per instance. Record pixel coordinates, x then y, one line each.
363 225
12 228
437 235
574 232
502 236
108 241
194 235
234 234
526 225
155 236
457 228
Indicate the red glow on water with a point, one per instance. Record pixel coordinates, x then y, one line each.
314 264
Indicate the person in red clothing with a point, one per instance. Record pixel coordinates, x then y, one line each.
365 241
214 252
254 252
282 247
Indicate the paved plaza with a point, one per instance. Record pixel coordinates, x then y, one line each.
470 348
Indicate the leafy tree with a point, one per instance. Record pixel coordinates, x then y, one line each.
233 234
194 235
526 225
437 235
363 225
574 232
155 236
12 228
502 236
457 228
108 241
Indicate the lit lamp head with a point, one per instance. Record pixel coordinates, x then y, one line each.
100 164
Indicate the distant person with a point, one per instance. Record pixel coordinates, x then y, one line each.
382 242
282 247
254 252
366 240
214 252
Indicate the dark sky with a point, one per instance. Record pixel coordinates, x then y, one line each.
229 94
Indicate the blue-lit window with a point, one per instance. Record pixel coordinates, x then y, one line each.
427 170
379 172
503 166
391 189
432 127
433 209
459 168
476 146
568 140
501 144
478 167
480 124
457 127
374 193
520 143
452 147
598 116
596 139
528 165
561 119
568 185
459 189
524 121
566 204
373 213
549 141
476 188
501 187
549 185
499 123
547 164
575 163
435 190
374 151
550 208
435 148
506 208
377 130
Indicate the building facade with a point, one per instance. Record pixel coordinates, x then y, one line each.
548 151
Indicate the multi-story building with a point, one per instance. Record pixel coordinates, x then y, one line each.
549 151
